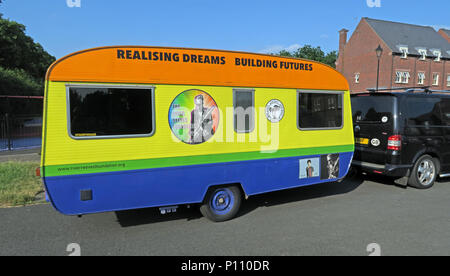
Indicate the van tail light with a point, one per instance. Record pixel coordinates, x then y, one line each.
395 142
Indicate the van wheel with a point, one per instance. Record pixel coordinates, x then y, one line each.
221 203
354 172
424 172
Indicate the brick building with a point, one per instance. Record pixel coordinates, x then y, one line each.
412 56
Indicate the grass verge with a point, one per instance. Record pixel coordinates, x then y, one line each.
19 184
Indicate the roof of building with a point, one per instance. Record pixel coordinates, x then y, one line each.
447 32
415 37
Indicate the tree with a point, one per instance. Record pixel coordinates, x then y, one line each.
311 53
18 82
19 51
21 60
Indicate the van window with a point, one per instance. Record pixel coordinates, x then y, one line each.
110 112
319 110
372 109
445 111
423 111
244 111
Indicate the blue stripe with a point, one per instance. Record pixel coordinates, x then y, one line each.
114 191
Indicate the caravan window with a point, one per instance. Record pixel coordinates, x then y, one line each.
244 110
319 110
105 111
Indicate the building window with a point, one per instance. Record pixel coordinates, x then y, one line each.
319 110
97 112
438 55
421 78
398 77
406 77
402 77
448 80
435 79
404 51
423 54
356 77
244 110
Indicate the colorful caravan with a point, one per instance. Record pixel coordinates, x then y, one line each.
135 127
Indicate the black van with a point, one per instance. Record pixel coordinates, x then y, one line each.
404 134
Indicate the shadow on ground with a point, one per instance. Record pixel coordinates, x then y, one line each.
151 215
137 217
349 184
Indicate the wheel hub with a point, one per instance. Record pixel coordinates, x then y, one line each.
222 201
426 172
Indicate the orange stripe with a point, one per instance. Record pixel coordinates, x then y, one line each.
106 64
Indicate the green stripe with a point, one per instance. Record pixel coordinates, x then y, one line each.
101 167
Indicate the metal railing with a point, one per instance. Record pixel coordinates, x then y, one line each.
20 132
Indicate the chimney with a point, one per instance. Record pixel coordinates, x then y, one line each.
342 43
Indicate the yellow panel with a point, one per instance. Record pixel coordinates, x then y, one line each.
62 149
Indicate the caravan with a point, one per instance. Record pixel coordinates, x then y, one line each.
135 127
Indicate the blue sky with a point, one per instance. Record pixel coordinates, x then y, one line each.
252 26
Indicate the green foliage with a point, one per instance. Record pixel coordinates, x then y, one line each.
311 53
17 50
18 82
23 63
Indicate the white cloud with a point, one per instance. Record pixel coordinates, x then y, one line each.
278 48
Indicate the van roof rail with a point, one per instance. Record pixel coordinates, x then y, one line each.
412 90
428 91
425 89
373 90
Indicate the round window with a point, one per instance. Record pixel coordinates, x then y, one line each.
193 116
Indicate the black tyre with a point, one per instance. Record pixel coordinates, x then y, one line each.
424 172
354 172
221 203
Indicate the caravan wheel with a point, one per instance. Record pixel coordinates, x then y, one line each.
221 203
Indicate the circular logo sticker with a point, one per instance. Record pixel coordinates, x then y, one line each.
274 111
384 119
193 116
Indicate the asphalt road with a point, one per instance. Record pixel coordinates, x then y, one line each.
31 155
329 219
